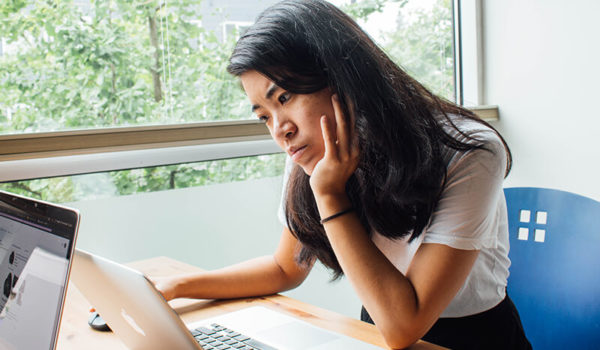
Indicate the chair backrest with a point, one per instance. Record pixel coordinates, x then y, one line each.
555 262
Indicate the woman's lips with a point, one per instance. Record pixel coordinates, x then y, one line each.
296 153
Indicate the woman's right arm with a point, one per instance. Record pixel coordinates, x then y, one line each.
260 276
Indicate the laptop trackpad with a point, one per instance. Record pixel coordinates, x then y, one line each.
296 336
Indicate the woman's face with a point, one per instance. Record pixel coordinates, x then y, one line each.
293 119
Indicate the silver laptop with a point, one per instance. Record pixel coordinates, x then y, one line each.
142 319
36 246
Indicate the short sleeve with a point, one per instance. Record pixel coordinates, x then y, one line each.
286 175
466 216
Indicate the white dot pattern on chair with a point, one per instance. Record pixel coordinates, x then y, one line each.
523 233
540 235
541 217
525 215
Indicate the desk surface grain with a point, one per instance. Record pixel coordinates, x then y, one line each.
75 334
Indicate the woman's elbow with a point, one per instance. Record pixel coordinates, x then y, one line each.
400 342
399 337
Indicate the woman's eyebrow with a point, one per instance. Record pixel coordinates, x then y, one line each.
270 91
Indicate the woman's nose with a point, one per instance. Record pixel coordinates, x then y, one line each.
284 128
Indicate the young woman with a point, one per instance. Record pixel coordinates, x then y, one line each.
387 184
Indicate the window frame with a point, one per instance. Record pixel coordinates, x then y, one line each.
469 56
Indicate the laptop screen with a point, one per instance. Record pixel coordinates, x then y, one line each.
36 243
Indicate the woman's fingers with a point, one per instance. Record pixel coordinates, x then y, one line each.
341 126
341 156
329 137
346 134
340 140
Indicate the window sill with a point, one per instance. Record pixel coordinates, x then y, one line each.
63 143
487 113
28 156
76 142
35 168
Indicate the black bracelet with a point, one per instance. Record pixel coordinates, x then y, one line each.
346 211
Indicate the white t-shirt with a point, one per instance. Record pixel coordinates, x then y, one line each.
471 214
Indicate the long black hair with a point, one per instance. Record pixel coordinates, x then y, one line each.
306 46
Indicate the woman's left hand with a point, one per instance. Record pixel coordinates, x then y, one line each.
166 286
341 156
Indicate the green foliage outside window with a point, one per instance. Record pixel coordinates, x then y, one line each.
111 63
102 63
422 45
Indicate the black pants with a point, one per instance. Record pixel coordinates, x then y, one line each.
497 328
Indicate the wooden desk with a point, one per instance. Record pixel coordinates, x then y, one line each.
76 334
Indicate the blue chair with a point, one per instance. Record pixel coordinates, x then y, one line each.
554 275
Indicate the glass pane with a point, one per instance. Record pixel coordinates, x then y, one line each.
162 178
99 63
417 34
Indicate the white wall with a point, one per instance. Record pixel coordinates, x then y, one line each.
542 68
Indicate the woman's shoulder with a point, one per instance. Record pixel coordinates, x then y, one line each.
470 131
488 153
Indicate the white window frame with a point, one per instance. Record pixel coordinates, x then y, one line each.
469 57
38 155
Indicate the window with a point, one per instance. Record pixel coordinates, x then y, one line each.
85 77
103 102
87 64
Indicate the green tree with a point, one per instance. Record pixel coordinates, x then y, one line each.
363 8
422 45
111 64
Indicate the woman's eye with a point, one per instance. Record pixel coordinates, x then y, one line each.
283 98
263 118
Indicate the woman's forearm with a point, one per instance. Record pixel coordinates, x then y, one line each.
402 306
258 276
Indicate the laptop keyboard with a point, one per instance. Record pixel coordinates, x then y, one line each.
217 337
